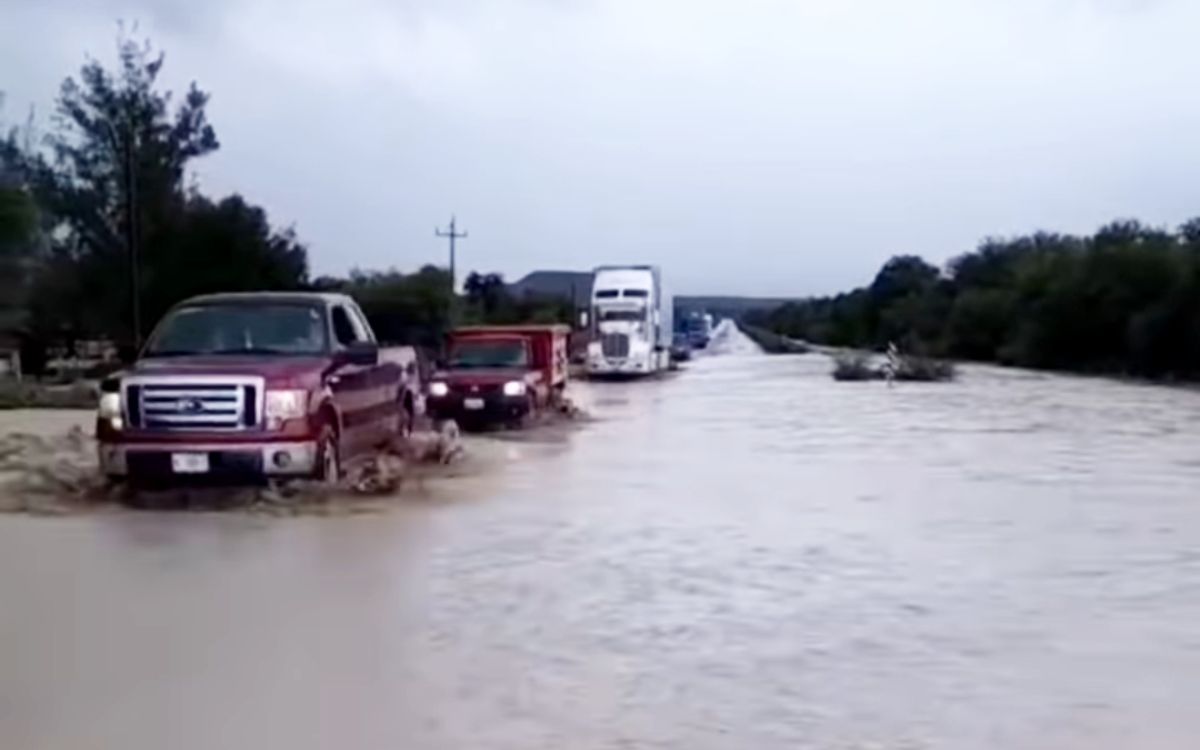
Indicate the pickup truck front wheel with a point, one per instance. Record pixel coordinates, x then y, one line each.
329 461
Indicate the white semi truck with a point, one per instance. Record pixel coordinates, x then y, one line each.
631 322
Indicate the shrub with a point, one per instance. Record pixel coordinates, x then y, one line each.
923 369
855 367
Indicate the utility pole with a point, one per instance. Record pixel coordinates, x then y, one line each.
132 238
123 148
453 234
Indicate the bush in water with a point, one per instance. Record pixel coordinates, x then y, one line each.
856 366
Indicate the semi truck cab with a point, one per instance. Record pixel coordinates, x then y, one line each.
631 316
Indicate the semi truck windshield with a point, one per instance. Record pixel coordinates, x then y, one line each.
626 315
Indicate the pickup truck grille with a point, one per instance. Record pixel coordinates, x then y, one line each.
181 404
614 344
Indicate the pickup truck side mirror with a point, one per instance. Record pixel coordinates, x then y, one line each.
361 353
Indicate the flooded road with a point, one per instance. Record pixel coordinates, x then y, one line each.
747 555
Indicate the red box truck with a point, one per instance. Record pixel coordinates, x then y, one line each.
500 373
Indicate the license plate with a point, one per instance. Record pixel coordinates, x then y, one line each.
474 404
189 463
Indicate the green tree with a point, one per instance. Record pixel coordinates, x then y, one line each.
19 240
18 213
226 246
486 293
980 323
903 276
1125 299
902 305
116 170
411 309
18 219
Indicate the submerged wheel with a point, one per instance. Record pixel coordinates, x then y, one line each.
525 417
329 459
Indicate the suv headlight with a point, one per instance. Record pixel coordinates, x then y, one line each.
110 409
438 390
514 388
281 405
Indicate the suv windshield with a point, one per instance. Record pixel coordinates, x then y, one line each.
241 329
468 354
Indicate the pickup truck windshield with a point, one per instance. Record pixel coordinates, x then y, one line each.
481 354
241 329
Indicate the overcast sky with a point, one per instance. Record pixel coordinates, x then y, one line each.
774 147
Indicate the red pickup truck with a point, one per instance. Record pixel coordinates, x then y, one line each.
499 373
255 385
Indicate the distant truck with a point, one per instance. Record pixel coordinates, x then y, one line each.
698 327
500 374
631 322
255 385
681 348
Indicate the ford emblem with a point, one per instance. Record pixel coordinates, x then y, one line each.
189 406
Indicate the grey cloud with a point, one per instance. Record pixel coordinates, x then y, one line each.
759 146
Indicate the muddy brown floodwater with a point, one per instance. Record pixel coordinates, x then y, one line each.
747 555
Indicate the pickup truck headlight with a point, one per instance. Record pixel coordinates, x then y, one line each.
439 390
110 409
514 388
281 405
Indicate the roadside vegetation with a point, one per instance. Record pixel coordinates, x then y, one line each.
858 366
1125 300
855 367
113 172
